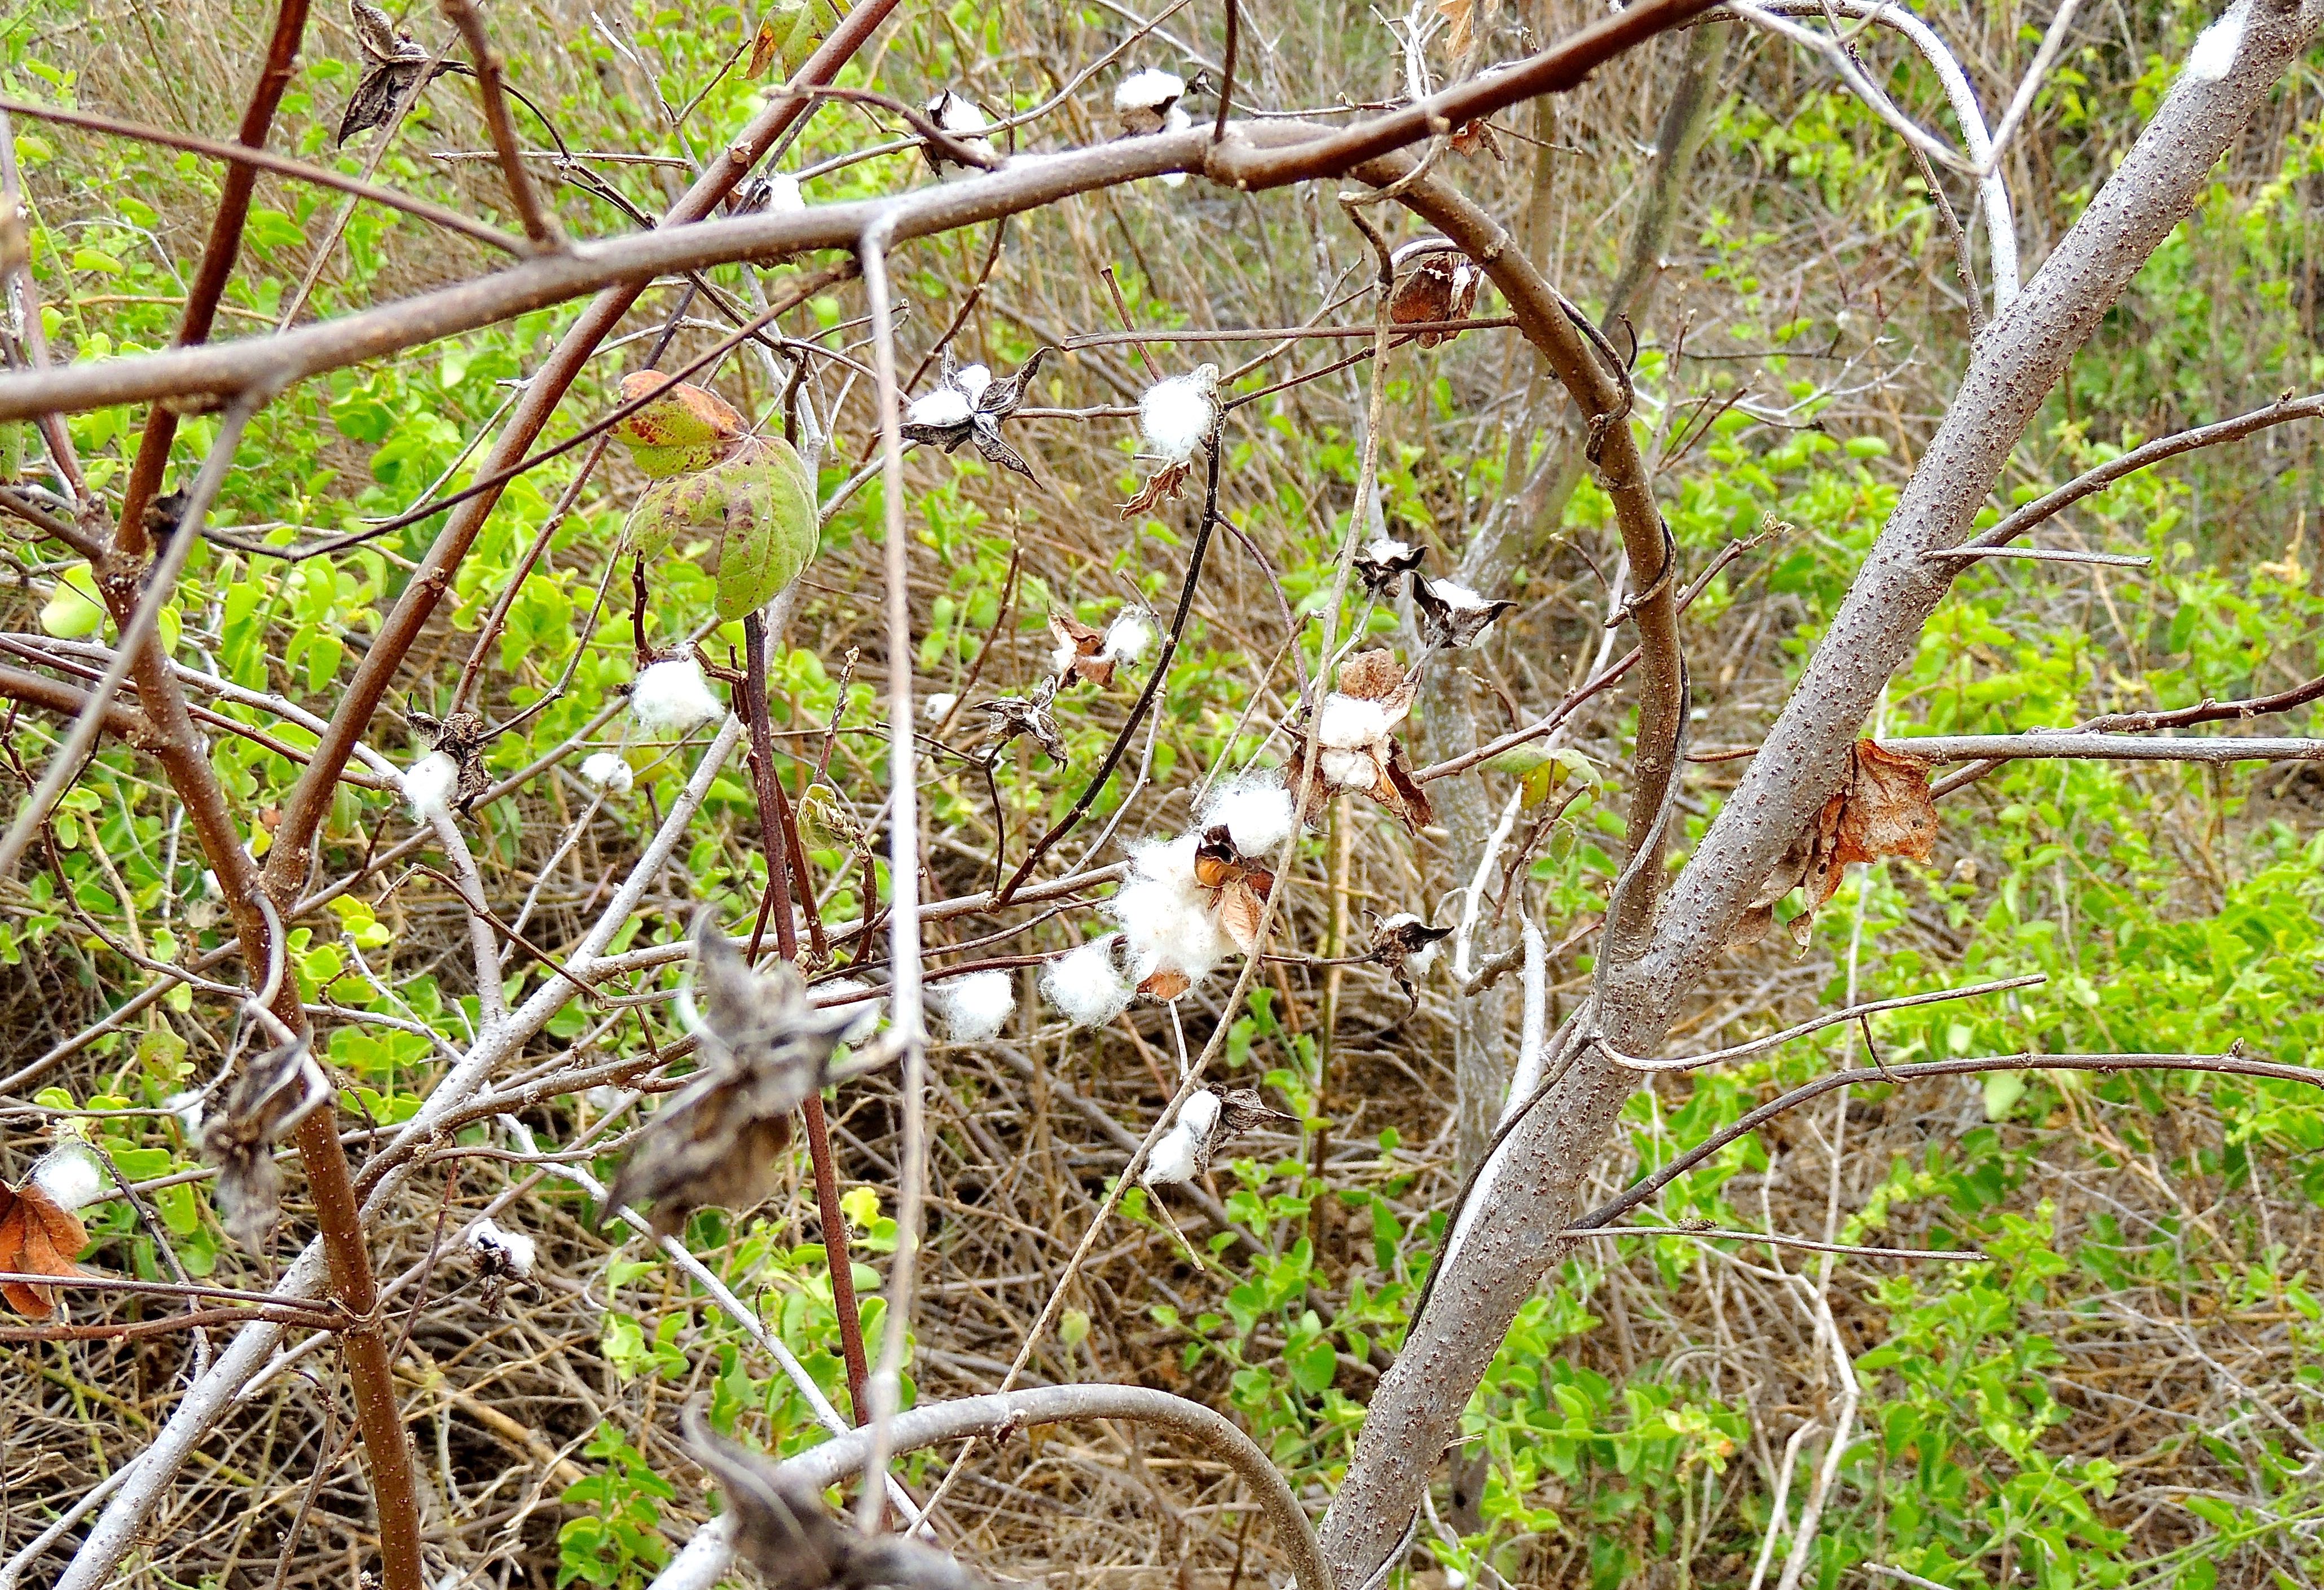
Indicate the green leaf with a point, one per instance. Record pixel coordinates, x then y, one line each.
758 509
1314 1366
73 611
2003 1089
684 428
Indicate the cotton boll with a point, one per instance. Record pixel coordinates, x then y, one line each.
1257 813
514 1252
1348 722
783 193
945 406
2214 55
72 1175
938 707
1130 634
673 698
430 784
1083 985
1348 769
973 379
1151 89
1416 962
1177 414
865 1024
1179 1153
1168 928
1176 121
188 1108
977 1006
608 771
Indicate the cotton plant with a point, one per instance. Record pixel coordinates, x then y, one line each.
1083 652
975 1008
968 404
1147 102
1356 744
1175 418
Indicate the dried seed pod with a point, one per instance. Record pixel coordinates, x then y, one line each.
765 1048
1453 615
392 62
1241 1110
461 737
1385 561
1010 716
1407 947
275 1091
1080 652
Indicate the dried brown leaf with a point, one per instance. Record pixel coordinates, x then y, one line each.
37 1237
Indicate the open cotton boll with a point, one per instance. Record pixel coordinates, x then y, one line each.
673 698
514 1252
608 771
1179 1154
1083 985
938 707
1150 89
1168 927
1175 415
945 406
1130 634
977 1006
430 784
70 1175
2214 55
1257 813
1416 962
973 379
783 193
866 1023
1349 721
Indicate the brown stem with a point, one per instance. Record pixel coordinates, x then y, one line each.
833 1220
540 224
218 257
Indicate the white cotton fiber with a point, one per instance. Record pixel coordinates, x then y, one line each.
1257 813
70 1175
1166 922
1149 89
428 785
673 698
608 771
1177 414
939 706
783 193
945 406
1176 120
1083 985
1179 1153
1349 721
976 1007
1130 635
2214 55
1348 769
867 1012
971 380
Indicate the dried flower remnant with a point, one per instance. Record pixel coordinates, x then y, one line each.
782 1528
764 1048
1385 561
276 1091
1008 716
1883 810
968 404
1407 947
1442 287
964 119
1174 417
392 62
671 697
502 1260
1451 615
458 738
1088 984
1356 744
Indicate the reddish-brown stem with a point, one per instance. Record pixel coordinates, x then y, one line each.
218 257
539 225
833 1220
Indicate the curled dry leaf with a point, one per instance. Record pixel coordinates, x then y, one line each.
684 428
38 1236
1461 18
1474 134
756 506
1883 810
1162 486
1081 652
392 62
1442 287
782 1528
764 1048
1239 887
276 1091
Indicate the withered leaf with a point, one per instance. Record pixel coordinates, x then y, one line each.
38 1236
782 1528
1462 17
1881 810
765 48
1162 486
684 428
764 1048
1474 134
392 62
1080 652
276 1091
1442 287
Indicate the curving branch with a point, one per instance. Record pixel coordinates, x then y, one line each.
1000 1415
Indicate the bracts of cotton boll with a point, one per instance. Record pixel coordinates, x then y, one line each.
1079 652
1385 561
1356 745
460 736
672 697
608 771
1130 636
1183 1152
429 784
1453 615
2214 55
968 404
1407 947
964 119
501 1258
1174 417
976 1007
1169 921
1008 716
1085 986
1145 99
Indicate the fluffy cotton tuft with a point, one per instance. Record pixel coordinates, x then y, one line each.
1348 722
514 1251
1149 89
1419 961
943 407
1388 549
2214 55
608 771
867 1012
1176 120
1179 1153
1083 985
673 698
973 379
430 784
1257 813
783 193
976 1007
938 707
70 1175
1130 634
1177 414
1166 916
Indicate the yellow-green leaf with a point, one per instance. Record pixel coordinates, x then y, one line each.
757 510
74 610
684 428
